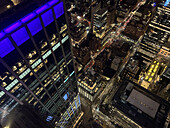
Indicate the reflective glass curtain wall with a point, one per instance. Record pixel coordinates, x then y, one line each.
36 64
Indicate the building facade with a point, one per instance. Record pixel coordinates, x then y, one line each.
100 19
89 86
36 65
157 35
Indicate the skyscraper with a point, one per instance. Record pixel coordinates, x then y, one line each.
100 19
156 38
36 65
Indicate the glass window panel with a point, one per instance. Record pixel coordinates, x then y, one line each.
17 64
47 17
61 22
64 39
20 36
56 46
59 54
66 47
40 71
35 26
41 41
41 9
52 31
5 47
29 79
45 98
71 67
59 9
52 91
30 53
50 62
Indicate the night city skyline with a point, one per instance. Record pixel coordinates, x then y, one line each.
84 63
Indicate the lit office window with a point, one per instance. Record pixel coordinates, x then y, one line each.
36 63
11 85
24 73
47 54
56 46
1 93
64 39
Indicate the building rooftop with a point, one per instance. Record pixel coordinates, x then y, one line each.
143 102
141 106
89 80
77 31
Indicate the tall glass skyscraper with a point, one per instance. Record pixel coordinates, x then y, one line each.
36 65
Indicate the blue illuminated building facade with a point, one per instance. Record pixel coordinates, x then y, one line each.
36 65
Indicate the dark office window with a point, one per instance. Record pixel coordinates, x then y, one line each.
67 105
45 98
41 41
16 93
48 86
28 97
50 63
65 71
58 83
38 106
52 91
2 71
59 54
51 29
29 79
71 67
28 50
69 57
66 47
23 92
33 101
61 22
4 100
9 59
41 70
41 93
